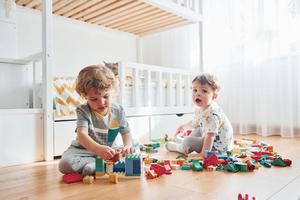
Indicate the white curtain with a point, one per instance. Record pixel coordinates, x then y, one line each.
253 46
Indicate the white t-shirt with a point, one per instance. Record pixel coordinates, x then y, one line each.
214 120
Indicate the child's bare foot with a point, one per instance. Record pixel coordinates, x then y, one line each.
194 154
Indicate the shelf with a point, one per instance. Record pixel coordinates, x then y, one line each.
15 61
21 111
138 17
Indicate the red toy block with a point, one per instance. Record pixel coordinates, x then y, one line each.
72 178
167 166
288 162
158 169
211 160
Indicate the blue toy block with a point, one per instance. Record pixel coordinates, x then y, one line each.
128 167
119 167
136 167
133 165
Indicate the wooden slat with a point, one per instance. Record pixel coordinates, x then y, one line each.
160 28
145 20
39 7
155 26
116 11
124 14
61 4
108 8
23 2
151 23
89 10
33 3
69 7
136 17
81 8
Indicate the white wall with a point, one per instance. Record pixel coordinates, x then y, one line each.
178 47
76 44
8 30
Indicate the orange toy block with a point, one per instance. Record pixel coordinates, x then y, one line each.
113 178
150 174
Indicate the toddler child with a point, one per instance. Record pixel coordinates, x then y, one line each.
99 121
212 130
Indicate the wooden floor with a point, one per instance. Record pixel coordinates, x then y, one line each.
43 181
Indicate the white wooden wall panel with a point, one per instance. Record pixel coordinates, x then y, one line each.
15 85
21 136
64 133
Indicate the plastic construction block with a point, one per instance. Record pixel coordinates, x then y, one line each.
211 160
185 167
150 174
113 178
279 162
209 153
72 178
158 169
167 166
288 162
119 167
241 166
231 167
117 157
88 179
99 164
197 165
133 165
211 168
265 163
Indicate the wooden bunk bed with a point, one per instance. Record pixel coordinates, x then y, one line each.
138 17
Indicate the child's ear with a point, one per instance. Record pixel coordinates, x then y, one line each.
215 96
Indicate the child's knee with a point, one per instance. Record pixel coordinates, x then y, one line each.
89 169
66 165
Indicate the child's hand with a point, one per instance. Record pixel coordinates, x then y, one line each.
180 129
106 152
128 150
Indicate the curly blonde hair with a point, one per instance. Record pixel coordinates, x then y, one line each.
96 77
208 79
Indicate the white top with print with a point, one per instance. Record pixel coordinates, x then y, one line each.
214 120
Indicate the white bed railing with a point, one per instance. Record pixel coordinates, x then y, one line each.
148 89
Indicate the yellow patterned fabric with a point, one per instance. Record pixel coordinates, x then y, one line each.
66 99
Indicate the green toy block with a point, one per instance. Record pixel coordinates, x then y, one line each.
197 166
241 166
99 164
231 167
219 168
185 167
278 162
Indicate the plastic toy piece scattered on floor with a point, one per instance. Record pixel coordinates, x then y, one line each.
240 197
88 179
72 178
